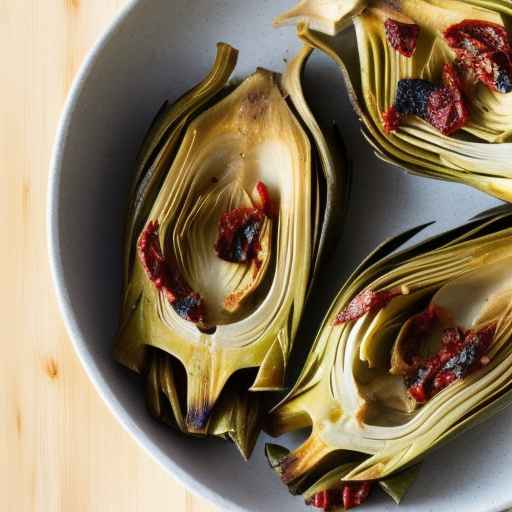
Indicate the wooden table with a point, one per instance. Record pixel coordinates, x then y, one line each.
60 448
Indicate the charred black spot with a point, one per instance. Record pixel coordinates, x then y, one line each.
254 97
419 378
239 232
188 307
412 96
275 455
243 249
504 81
207 329
197 419
460 364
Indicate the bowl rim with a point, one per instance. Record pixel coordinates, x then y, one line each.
73 330
75 335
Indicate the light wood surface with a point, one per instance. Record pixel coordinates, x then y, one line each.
60 448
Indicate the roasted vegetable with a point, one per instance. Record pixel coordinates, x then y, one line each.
415 349
430 80
235 200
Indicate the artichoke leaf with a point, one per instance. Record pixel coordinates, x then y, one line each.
162 390
397 485
335 190
238 416
225 62
275 453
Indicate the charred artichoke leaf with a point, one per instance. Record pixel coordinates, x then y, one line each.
353 400
197 310
477 154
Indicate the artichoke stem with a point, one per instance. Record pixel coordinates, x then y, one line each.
204 385
299 462
199 406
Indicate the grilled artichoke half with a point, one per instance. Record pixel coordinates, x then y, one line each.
235 199
404 51
415 349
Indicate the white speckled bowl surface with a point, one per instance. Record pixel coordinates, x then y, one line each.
154 50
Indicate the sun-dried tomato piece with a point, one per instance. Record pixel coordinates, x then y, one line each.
402 36
355 493
189 307
460 354
350 495
151 256
451 342
442 113
366 302
238 240
420 383
483 48
328 499
446 109
391 119
451 78
266 204
495 71
320 500
477 36
419 387
239 232
466 360
166 277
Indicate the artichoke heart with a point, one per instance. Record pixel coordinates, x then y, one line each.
234 202
415 349
430 80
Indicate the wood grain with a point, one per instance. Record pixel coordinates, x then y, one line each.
60 449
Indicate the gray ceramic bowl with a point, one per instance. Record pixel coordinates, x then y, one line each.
154 50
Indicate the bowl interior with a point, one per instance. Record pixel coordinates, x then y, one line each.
156 50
